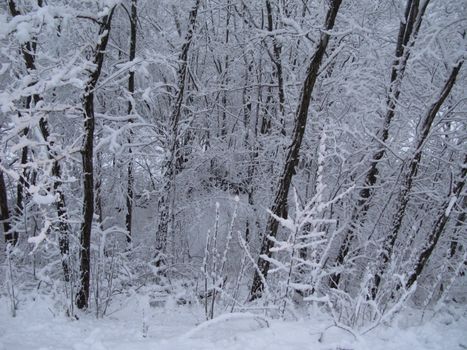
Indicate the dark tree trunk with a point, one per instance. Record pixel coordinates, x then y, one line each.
64 228
408 32
279 206
131 90
82 297
4 212
60 204
404 195
21 185
225 76
276 58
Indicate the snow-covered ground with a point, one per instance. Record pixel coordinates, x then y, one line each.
173 327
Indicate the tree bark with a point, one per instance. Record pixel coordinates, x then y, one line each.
131 91
279 206
4 212
276 58
82 296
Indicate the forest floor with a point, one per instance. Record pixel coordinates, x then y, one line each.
38 325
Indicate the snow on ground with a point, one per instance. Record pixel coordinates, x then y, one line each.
173 327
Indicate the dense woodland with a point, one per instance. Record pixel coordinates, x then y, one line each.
241 155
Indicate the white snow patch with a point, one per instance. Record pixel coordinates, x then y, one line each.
42 236
43 199
40 324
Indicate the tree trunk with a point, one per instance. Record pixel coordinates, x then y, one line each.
21 185
408 32
4 212
131 91
404 195
279 206
276 58
82 297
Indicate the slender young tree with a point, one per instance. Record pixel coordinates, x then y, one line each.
278 70
82 297
131 107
